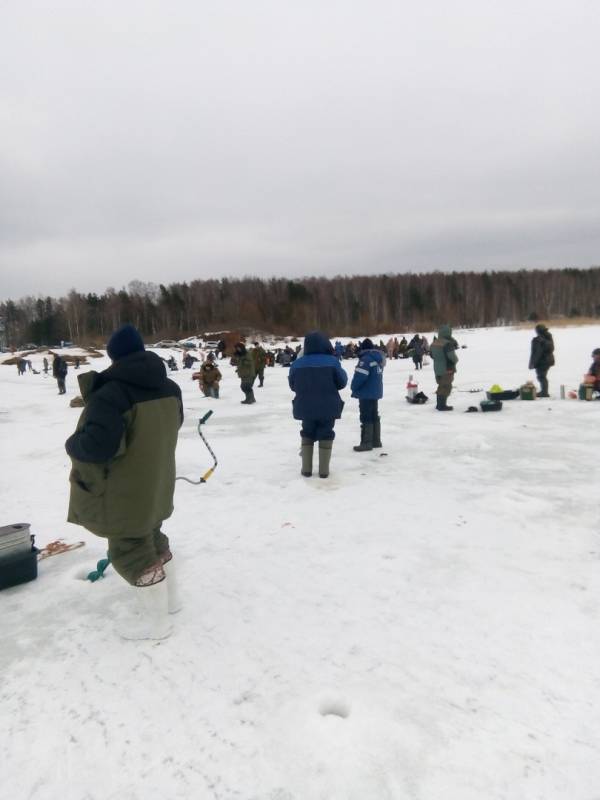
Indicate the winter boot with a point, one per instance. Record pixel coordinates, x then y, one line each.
442 404
366 438
324 457
306 451
377 432
245 401
150 620
174 600
251 398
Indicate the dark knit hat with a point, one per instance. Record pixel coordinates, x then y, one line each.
123 342
367 344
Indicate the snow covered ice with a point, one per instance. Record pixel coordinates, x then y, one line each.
423 624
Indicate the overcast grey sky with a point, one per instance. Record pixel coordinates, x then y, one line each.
180 139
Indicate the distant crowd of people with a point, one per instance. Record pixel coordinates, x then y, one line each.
250 362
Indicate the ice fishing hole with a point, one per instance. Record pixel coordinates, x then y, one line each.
335 708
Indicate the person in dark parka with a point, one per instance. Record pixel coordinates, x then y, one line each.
59 371
367 386
123 472
542 357
317 377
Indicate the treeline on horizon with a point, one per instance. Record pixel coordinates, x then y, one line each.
341 306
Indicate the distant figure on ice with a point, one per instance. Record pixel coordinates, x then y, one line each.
21 366
316 377
59 371
417 351
542 357
259 356
45 365
443 352
189 360
123 474
244 366
367 386
209 376
594 369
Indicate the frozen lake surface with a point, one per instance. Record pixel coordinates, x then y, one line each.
424 624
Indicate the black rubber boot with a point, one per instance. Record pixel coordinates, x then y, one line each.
366 439
325 448
442 404
377 432
306 451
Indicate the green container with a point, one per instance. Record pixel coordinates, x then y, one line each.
586 391
527 392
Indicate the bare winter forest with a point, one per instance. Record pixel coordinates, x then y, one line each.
342 305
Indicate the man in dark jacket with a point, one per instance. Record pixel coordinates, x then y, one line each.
123 472
316 378
367 386
542 357
59 371
416 350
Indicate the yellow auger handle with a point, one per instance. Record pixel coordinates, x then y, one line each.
207 475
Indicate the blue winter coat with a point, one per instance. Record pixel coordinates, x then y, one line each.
367 383
317 377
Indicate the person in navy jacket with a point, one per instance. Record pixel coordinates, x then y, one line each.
367 386
316 378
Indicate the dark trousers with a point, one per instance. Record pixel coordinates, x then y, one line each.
368 411
318 430
444 384
542 376
61 385
132 555
418 362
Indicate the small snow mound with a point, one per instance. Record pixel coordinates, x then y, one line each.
334 708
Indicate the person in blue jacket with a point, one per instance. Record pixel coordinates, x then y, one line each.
367 386
316 378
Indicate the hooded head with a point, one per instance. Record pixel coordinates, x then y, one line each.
445 332
240 349
596 353
541 329
367 344
317 343
124 341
